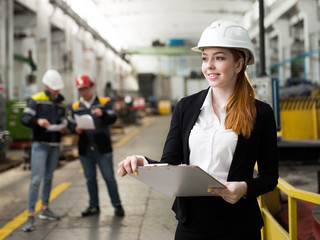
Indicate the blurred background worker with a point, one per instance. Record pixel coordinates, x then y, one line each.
95 144
45 115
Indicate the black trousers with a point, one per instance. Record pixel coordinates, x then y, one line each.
191 233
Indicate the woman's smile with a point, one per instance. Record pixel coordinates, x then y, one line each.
213 76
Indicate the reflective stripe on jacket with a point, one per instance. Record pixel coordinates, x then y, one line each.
38 106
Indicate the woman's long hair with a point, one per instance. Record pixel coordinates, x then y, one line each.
241 111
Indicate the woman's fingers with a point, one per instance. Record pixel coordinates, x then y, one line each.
130 165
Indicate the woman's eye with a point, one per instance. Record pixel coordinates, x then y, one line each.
204 59
219 58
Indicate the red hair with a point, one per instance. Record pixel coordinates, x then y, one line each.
241 111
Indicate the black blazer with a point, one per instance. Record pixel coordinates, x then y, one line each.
261 147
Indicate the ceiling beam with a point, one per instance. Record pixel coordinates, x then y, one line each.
169 51
82 23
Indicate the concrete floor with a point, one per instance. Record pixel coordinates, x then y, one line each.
148 212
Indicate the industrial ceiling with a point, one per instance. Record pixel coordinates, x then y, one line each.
141 24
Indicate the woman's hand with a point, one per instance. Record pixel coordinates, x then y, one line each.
233 191
130 165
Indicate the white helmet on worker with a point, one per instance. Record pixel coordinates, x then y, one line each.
53 80
227 34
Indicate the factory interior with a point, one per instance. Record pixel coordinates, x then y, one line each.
138 54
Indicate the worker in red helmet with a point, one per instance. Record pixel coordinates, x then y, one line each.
94 143
83 81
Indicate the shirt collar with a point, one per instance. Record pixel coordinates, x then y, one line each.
208 102
88 102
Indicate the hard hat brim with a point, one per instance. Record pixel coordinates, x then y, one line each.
248 53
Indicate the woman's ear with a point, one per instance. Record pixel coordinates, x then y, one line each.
239 65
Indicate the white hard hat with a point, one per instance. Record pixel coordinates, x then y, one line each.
227 34
53 80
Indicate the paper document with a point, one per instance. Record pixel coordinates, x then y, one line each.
177 180
84 121
56 127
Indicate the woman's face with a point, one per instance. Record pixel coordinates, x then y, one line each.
220 68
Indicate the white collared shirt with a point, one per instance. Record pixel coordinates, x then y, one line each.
211 145
89 103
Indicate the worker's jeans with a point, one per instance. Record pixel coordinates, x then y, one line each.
44 159
105 164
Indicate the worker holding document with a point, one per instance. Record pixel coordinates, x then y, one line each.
45 116
91 117
225 131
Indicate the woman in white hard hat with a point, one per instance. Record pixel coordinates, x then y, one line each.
225 131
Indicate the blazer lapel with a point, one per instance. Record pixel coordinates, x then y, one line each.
239 155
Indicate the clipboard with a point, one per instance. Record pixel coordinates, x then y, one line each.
85 121
177 180
56 127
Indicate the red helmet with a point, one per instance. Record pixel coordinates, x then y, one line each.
83 81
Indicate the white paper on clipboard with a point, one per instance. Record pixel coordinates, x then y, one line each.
84 121
56 127
177 180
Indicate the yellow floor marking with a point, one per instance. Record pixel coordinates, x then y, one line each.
146 124
21 218
130 135
126 138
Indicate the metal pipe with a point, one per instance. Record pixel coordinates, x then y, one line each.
262 66
318 176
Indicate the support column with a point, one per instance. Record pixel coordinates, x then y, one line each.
44 12
3 50
3 75
6 49
68 73
268 53
309 12
282 27
100 77
314 58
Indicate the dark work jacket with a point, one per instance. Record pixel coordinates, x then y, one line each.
261 147
95 141
40 105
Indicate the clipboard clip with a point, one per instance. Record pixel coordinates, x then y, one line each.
156 165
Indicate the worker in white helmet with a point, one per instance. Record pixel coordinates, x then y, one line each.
45 115
225 131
